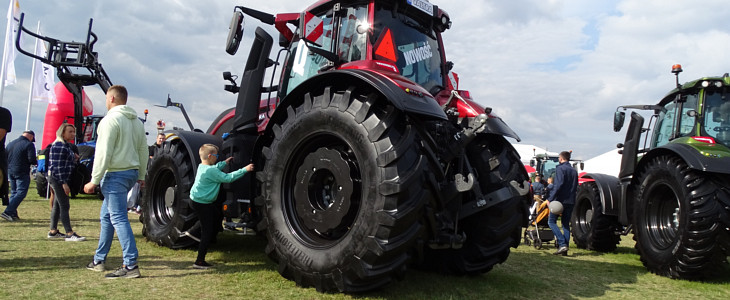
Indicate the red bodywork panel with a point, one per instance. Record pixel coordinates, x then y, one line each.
262 122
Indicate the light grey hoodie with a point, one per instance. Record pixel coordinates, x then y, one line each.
121 144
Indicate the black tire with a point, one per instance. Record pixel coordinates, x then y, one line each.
591 229
364 147
491 232
41 184
166 210
677 219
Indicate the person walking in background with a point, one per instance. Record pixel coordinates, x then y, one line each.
6 123
204 192
62 163
154 148
549 187
21 156
538 188
564 191
120 160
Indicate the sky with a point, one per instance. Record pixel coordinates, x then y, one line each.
553 70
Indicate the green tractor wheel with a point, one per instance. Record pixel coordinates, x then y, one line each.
677 229
591 229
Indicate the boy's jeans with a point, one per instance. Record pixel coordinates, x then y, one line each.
113 216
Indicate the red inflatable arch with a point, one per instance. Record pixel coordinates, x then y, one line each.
62 109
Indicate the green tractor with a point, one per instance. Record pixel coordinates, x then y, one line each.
673 189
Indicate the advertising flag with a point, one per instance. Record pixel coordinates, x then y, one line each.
10 34
43 82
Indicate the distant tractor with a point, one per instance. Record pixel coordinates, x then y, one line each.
545 164
368 157
673 190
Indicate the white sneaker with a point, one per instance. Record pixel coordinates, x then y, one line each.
75 238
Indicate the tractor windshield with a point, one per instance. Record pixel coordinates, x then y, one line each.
408 42
717 116
548 167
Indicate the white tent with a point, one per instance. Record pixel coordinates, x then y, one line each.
527 152
607 163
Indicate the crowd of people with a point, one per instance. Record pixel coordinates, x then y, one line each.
120 163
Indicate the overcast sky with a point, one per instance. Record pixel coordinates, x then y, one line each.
554 70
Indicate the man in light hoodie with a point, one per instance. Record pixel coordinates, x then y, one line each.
120 160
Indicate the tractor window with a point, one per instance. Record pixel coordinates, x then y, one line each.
416 45
353 44
665 125
302 63
717 116
687 123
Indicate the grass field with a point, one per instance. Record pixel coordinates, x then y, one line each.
33 267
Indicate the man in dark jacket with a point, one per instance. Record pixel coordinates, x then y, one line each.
21 155
564 191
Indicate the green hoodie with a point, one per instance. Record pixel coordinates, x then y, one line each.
121 144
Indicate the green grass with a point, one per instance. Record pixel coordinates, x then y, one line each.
32 267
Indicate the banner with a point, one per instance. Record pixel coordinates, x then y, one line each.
10 33
43 82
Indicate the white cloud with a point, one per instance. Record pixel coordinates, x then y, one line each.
554 70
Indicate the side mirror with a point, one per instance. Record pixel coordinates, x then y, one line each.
235 33
532 163
618 120
582 166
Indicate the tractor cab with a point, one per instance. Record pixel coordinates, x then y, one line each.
400 37
695 115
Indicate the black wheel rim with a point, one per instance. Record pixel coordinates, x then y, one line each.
321 190
662 215
163 197
583 216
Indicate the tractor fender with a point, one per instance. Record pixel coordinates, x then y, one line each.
423 104
610 190
693 158
193 140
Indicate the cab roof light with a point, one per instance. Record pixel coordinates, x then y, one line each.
676 69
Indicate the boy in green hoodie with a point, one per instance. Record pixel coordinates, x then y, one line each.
205 191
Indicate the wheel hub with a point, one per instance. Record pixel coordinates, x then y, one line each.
322 190
169 198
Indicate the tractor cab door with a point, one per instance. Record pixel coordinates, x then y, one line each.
349 26
677 120
716 116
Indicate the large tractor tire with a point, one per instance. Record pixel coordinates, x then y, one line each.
342 191
591 228
166 210
491 232
678 216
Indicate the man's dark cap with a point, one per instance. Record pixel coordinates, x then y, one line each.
31 133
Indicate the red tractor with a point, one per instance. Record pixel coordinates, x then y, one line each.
368 157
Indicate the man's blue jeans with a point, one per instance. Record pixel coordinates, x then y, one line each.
113 216
563 238
18 189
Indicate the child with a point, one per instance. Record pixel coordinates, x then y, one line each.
205 191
